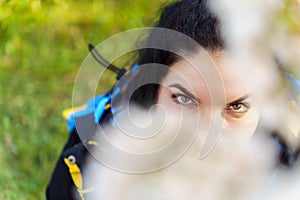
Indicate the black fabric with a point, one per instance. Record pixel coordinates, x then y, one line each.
286 155
61 185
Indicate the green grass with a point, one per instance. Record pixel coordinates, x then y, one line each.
42 44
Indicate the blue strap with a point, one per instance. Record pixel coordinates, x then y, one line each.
95 105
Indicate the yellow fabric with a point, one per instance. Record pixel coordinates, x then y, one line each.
86 190
68 112
92 142
76 176
107 106
75 173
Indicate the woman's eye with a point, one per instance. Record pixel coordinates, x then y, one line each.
183 99
237 109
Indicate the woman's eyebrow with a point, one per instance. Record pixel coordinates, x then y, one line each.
184 90
243 98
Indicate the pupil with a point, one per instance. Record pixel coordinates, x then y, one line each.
236 106
184 99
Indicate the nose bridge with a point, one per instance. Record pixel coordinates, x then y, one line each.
226 126
212 114
206 114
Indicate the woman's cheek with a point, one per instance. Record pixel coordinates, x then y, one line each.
243 125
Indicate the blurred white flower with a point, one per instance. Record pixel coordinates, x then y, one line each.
236 169
263 41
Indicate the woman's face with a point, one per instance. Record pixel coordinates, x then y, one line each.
186 89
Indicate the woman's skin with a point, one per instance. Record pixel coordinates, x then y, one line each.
183 89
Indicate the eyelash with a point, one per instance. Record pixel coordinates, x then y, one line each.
234 111
178 95
230 108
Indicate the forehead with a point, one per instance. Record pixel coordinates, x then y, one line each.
205 73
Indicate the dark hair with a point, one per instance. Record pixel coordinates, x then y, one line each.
196 20
193 18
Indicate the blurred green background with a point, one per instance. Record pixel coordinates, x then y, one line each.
42 44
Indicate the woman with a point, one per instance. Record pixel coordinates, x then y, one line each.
180 88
